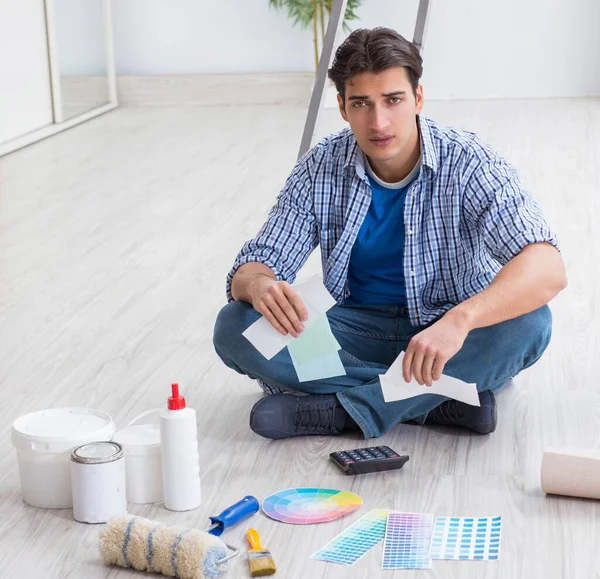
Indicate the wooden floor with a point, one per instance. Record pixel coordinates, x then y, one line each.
115 239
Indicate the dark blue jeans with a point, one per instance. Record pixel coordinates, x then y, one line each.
371 338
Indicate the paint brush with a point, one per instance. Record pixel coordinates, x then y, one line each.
259 559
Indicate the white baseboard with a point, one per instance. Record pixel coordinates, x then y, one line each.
216 89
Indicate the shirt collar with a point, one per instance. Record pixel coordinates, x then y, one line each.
428 156
356 160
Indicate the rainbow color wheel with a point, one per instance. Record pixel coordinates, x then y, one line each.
305 506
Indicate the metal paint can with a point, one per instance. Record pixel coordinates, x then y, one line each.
98 482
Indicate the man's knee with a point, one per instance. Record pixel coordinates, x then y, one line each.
233 319
495 353
524 339
536 333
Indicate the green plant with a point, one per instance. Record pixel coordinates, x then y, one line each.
312 12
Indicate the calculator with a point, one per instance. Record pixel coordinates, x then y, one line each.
365 460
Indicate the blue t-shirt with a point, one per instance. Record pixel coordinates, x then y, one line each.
376 269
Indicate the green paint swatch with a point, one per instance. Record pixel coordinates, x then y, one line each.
316 341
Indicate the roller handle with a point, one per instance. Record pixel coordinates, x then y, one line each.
233 515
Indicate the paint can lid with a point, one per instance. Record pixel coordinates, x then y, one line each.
97 453
58 430
139 439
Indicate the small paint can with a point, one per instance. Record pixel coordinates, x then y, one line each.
98 482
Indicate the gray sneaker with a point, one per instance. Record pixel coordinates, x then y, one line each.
480 419
286 415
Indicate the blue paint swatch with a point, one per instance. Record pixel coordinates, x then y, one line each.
466 538
357 540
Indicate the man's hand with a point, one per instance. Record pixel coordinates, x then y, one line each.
429 350
528 281
280 304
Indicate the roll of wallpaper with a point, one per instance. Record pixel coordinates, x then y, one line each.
571 472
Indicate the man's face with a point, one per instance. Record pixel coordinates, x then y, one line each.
381 109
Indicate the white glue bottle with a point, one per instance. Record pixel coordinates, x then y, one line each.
180 459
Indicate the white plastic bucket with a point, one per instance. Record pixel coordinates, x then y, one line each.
143 464
44 441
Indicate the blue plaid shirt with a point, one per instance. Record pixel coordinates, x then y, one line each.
465 217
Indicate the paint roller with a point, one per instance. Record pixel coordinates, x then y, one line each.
138 543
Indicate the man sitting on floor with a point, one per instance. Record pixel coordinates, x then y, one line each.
429 245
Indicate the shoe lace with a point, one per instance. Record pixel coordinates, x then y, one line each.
315 416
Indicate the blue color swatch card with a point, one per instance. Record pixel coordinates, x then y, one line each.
407 541
466 538
355 541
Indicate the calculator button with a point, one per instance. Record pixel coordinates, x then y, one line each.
376 452
387 451
365 454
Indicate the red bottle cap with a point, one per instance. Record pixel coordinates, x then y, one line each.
175 402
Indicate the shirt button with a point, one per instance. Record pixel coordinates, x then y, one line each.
410 231
412 272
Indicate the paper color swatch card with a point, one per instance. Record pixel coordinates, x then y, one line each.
395 388
355 541
314 352
466 538
407 541
316 341
268 341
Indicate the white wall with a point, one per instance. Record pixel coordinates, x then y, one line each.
474 48
513 48
196 36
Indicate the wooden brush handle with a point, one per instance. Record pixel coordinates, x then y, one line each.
254 540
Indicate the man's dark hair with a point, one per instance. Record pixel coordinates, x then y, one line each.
374 50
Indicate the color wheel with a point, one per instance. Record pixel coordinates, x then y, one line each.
304 506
